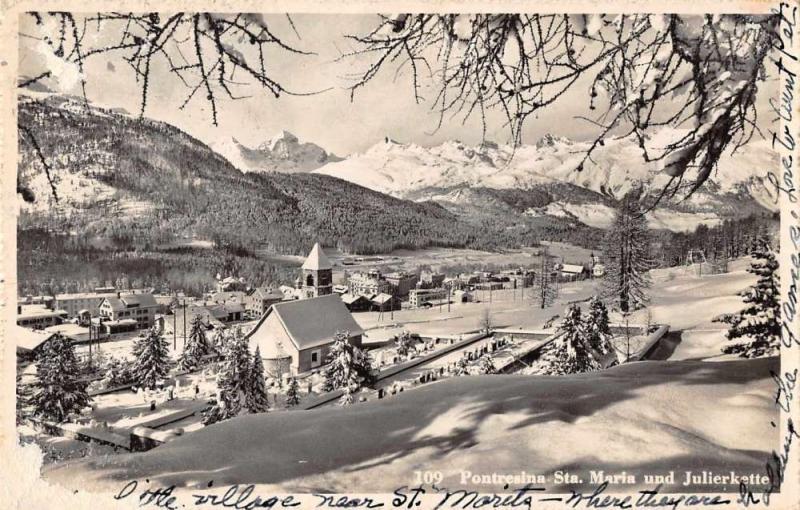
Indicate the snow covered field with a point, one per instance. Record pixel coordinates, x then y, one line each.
647 417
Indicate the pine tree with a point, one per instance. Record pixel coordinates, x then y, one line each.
597 328
462 366
152 361
293 393
196 346
234 377
346 365
627 248
760 322
58 391
404 343
569 354
487 365
256 388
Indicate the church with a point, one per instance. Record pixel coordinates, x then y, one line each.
295 336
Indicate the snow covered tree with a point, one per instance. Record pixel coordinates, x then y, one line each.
293 393
346 363
462 366
58 392
569 353
598 333
256 399
627 250
404 343
486 365
760 323
152 361
196 346
234 378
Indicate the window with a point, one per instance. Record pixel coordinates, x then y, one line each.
315 358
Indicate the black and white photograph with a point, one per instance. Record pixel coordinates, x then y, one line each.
462 257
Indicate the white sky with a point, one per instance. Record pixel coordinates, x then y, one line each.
385 107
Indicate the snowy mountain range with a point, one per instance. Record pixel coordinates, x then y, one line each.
282 153
461 178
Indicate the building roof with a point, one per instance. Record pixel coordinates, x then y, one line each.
29 339
381 298
81 295
312 322
571 268
266 293
37 311
130 300
317 259
69 330
349 299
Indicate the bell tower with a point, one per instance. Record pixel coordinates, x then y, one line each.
317 277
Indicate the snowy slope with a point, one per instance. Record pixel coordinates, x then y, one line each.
281 153
482 424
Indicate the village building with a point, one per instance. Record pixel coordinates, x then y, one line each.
599 270
431 280
295 336
401 282
258 300
356 302
75 332
29 342
317 274
39 316
74 304
368 284
418 298
230 283
572 272
140 308
385 302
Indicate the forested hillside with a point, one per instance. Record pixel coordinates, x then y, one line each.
154 183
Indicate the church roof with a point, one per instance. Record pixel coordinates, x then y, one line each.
312 322
317 260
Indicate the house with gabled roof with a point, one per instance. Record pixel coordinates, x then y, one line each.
296 336
125 308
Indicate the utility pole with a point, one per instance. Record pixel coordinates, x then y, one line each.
175 324
184 322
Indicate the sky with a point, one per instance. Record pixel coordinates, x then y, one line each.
384 107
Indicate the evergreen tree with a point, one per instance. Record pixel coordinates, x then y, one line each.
597 329
546 285
346 365
234 378
152 361
256 388
462 366
760 322
627 248
293 393
404 343
58 391
486 365
569 354
196 346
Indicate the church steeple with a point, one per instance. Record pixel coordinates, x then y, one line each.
317 274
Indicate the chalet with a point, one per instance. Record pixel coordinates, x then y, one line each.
599 270
430 280
29 342
384 302
297 335
356 302
126 307
260 299
573 272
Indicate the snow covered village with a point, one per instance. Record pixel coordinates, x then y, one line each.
350 253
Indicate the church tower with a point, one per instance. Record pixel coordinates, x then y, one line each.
317 274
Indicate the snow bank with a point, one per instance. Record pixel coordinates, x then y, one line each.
604 420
